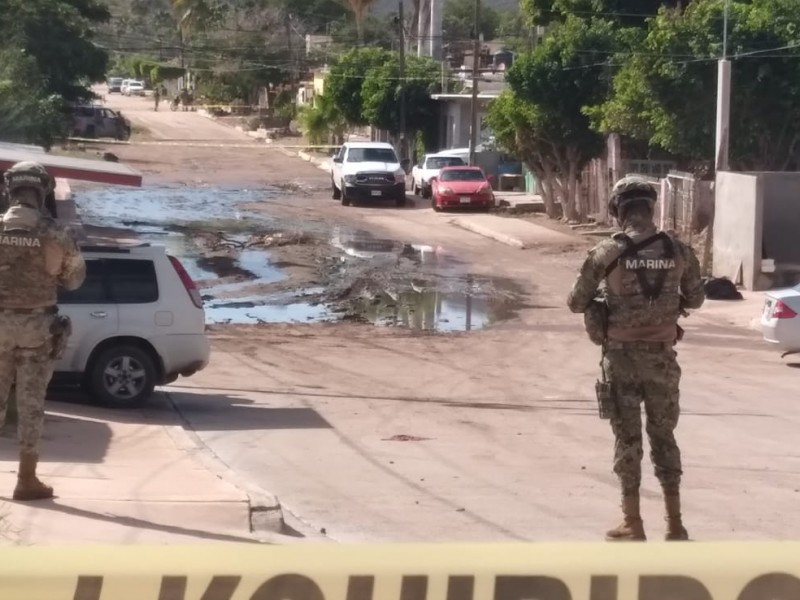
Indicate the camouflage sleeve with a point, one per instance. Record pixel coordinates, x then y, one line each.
692 291
586 285
73 266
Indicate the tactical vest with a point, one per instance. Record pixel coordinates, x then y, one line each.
30 262
643 289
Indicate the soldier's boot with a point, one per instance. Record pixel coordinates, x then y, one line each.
631 529
28 485
675 529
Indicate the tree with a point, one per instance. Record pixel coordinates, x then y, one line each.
459 19
360 9
27 112
664 93
543 116
383 87
344 83
59 35
625 12
322 123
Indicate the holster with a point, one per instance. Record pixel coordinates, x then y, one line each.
60 329
606 402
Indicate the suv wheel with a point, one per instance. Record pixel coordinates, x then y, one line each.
337 193
400 200
345 199
122 377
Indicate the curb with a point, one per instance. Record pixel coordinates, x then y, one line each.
488 233
264 509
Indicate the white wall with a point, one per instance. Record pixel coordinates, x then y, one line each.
738 228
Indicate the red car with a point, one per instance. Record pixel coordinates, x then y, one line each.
463 187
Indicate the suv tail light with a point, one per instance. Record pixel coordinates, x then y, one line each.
187 281
781 311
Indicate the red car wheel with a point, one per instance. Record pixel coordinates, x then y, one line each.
435 202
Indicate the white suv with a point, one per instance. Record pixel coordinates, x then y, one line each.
137 322
367 171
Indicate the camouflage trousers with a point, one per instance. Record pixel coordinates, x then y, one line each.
651 378
25 347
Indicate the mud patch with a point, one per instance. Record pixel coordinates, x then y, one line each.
254 268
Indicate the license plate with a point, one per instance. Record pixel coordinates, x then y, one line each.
465 199
376 192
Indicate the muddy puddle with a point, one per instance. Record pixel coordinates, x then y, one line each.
254 268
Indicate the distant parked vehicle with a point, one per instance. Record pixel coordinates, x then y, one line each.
134 88
464 187
93 121
124 85
115 85
429 167
137 322
368 171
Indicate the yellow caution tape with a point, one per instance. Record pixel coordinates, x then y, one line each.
568 571
256 143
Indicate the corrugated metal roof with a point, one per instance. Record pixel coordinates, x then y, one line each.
67 167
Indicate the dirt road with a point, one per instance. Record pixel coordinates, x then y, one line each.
374 433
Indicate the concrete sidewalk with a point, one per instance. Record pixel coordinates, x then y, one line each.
513 232
123 477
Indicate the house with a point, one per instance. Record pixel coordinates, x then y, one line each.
308 90
456 112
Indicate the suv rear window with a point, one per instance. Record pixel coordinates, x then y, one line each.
93 290
132 281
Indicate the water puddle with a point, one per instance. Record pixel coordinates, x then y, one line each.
365 278
170 206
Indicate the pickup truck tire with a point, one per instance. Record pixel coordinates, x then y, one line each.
337 193
426 192
345 199
400 200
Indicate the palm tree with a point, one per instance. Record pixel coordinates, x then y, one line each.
360 9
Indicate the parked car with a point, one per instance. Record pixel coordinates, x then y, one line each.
368 171
780 319
115 85
429 167
134 88
124 85
137 322
93 121
461 186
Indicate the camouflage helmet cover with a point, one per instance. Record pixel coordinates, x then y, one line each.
629 188
29 174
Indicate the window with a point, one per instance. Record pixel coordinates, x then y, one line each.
462 175
132 281
371 155
439 162
93 290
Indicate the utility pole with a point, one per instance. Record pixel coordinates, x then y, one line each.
402 83
476 49
723 100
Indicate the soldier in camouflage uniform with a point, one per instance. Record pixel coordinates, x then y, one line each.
37 256
650 279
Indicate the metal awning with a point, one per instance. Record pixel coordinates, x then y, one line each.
66 167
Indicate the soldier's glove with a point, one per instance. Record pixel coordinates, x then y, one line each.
60 329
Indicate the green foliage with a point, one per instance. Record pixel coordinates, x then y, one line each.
27 113
322 121
346 78
670 103
58 34
629 13
382 89
161 73
542 118
459 19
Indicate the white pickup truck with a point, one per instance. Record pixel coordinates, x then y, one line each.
429 167
367 171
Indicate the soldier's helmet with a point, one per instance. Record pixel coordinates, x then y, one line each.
631 188
29 174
